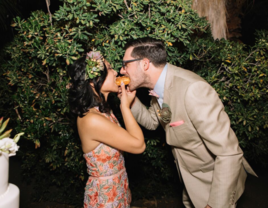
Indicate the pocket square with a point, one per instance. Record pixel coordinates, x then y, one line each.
177 123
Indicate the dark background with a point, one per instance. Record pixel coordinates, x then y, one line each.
254 16
24 9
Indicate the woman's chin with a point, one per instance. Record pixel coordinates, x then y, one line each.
115 90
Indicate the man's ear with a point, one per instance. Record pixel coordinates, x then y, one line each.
145 64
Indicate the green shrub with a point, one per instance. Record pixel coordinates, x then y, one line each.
35 66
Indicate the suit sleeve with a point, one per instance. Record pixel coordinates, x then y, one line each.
145 117
207 114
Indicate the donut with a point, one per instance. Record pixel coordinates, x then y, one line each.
126 80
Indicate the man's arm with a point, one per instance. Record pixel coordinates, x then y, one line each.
207 114
145 117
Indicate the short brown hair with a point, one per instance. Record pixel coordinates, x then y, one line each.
149 48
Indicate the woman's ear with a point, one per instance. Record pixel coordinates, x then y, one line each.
91 84
107 64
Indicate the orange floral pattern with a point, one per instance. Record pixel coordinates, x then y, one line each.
107 186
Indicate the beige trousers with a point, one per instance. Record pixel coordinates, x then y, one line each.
187 201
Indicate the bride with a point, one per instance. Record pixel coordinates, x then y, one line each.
103 139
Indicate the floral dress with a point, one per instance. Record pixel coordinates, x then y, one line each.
107 186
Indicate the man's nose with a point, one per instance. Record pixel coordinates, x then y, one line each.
122 71
115 72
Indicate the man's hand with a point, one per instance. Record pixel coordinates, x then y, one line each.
208 206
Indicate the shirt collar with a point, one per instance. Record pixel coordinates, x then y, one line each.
159 86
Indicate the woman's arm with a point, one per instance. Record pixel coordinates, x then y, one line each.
131 124
95 127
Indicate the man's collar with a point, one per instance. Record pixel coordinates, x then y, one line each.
159 86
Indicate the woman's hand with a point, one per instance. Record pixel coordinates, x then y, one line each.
126 96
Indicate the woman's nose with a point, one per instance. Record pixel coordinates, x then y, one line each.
115 73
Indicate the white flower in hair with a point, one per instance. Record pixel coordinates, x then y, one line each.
95 64
96 55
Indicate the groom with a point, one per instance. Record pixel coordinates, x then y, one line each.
206 150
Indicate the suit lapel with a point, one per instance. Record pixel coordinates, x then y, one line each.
167 92
168 84
173 94
156 106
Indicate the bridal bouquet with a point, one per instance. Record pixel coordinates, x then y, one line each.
8 145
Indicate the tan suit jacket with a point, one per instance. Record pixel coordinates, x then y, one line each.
205 148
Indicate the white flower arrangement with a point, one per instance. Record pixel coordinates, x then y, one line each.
7 144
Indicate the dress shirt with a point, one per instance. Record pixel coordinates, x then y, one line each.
159 86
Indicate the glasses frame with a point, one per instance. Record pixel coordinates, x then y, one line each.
129 61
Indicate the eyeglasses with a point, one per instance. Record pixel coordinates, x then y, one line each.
128 61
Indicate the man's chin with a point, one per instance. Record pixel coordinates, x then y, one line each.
131 87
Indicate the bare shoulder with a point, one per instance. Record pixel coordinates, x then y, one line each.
92 119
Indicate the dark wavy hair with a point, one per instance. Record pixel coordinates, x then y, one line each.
149 48
81 94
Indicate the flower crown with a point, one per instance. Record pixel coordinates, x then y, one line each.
95 64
